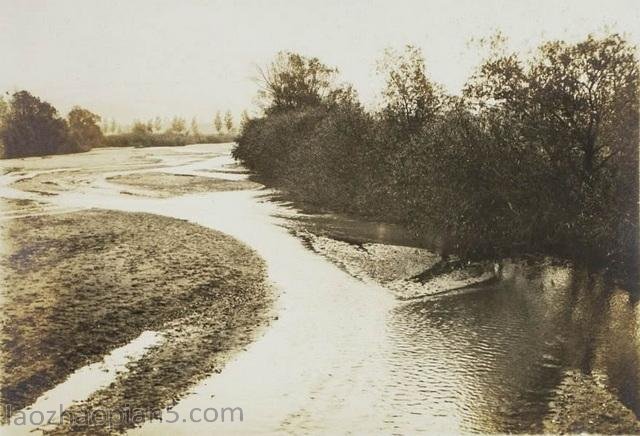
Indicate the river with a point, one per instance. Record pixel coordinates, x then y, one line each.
345 354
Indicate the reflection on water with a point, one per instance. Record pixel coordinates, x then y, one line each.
494 356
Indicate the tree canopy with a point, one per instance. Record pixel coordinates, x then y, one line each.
84 128
293 81
32 127
539 154
410 98
576 103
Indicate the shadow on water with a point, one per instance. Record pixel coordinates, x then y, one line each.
495 357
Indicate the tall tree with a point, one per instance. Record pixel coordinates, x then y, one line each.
195 130
577 103
157 124
178 126
228 121
410 98
4 109
32 127
84 129
141 128
217 122
104 126
293 81
575 106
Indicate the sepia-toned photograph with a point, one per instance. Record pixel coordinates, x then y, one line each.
319 217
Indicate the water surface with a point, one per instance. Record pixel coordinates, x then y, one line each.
344 354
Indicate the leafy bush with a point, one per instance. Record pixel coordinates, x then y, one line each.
32 127
538 156
84 130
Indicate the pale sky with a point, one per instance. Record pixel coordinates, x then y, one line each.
135 59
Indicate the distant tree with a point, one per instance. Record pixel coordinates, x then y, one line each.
157 124
114 128
4 109
195 130
141 128
84 130
228 121
217 122
410 98
178 126
293 81
32 127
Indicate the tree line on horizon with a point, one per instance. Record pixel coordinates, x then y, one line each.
539 155
32 127
221 124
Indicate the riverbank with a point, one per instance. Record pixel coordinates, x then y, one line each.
591 386
77 285
387 254
584 404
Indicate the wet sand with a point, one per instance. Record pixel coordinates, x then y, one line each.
398 268
78 285
167 185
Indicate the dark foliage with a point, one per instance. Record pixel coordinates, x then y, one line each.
538 156
84 129
31 127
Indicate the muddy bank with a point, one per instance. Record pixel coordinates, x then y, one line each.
584 404
78 285
367 260
166 185
583 374
399 268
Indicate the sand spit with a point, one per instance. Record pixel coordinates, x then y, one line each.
157 184
78 285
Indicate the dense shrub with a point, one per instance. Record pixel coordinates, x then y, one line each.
31 127
539 155
84 130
